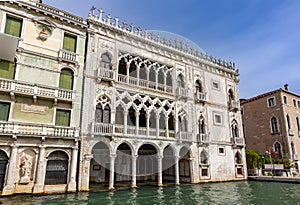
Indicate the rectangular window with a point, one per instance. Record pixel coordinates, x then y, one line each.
63 117
221 150
298 104
13 26
217 119
271 102
204 172
215 85
69 43
284 100
295 103
4 111
7 69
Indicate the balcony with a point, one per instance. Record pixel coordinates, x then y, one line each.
202 139
239 141
200 97
291 132
234 105
106 129
106 74
37 130
185 136
13 86
68 56
182 92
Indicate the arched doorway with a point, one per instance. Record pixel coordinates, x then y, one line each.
184 165
147 164
123 165
168 165
57 168
99 167
3 164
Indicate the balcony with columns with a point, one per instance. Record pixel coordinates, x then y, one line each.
105 74
233 105
17 87
144 83
37 130
182 92
238 141
202 139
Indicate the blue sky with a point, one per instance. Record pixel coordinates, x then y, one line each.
261 36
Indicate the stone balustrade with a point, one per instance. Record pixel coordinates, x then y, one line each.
234 105
67 56
239 141
186 136
106 74
182 92
37 130
14 86
202 138
114 129
200 97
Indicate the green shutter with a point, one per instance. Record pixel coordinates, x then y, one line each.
7 69
13 26
4 111
62 117
66 79
69 43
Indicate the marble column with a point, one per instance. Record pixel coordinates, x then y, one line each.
167 126
125 121
85 175
157 125
72 181
11 173
40 175
159 163
147 123
112 172
177 170
137 122
133 168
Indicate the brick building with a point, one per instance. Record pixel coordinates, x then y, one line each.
271 123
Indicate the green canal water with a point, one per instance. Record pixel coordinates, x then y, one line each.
210 193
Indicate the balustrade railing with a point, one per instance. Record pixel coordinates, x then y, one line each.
67 55
103 128
183 92
239 141
106 74
201 97
14 86
202 138
18 128
186 136
144 83
234 105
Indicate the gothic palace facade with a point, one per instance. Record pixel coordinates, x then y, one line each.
98 102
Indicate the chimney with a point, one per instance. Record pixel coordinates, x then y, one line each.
286 87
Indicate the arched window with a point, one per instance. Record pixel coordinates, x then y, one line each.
230 95
203 157
105 61
3 165
180 80
122 69
235 129
288 121
274 125
102 114
120 115
133 69
238 158
131 119
201 126
171 122
57 168
142 118
198 86
298 123
169 78
66 79
143 72
182 124
277 148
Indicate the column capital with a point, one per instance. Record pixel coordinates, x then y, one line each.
88 157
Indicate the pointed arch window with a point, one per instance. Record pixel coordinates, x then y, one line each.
106 61
120 115
66 79
298 123
182 124
203 157
238 158
230 95
235 129
198 86
180 80
288 121
171 122
133 69
102 115
142 118
277 148
202 126
122 69
274 125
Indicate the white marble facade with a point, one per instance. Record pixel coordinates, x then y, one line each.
156 111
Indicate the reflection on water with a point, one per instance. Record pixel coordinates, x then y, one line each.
208 193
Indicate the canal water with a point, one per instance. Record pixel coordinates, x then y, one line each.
210 193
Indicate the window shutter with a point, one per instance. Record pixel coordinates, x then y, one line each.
69 43
7 69
4 111
62 118
13 26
